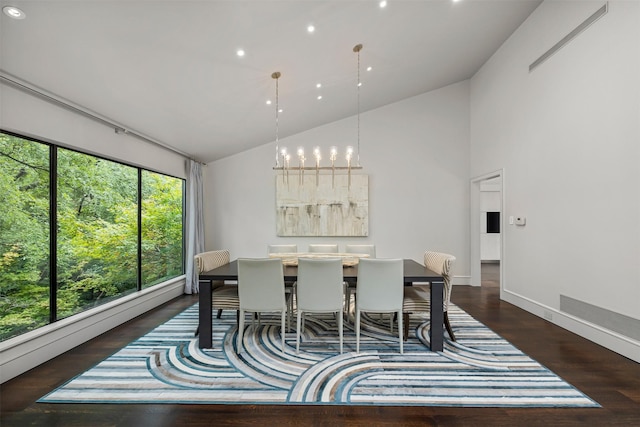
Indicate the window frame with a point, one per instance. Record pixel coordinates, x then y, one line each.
53 222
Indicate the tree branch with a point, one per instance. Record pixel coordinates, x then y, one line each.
24 163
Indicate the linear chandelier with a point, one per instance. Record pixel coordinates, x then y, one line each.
283 157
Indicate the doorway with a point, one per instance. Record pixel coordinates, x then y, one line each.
487 230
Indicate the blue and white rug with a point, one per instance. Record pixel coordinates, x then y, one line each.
166 366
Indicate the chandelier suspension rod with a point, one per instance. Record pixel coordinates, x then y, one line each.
357 48
276 75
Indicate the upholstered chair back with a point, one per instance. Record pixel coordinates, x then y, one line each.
441 263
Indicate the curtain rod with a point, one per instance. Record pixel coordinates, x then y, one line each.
68 105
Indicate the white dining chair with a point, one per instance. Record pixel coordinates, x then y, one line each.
417 299
285 249
361 249
261 290
380 290
319 290
281 249
327 249
356 249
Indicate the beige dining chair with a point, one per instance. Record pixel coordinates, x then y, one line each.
224 296
319 290
261 290
327 249
380 290
417 299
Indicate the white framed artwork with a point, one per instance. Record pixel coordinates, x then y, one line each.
322 205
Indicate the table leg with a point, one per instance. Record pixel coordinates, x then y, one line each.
437 317
204 316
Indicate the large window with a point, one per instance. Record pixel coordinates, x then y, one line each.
162 252
118 229
97 231
24 236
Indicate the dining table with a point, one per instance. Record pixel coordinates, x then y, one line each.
413 272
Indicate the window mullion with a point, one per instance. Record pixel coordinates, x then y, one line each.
53 233
139 229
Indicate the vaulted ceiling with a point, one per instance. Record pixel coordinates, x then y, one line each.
169 70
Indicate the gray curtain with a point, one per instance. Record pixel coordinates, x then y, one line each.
195 225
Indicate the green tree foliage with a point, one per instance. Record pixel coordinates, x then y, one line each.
97 226
161 228
97 231
24 235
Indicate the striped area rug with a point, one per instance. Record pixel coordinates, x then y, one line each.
166 366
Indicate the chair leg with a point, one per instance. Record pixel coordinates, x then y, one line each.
219 313
357 331
405 324
340 327
283 324
448 326
197 331
298 332
400 331
240 331
347 298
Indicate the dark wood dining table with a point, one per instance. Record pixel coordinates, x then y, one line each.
414 272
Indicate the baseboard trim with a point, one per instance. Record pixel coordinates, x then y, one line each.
611 340
27 351
461 280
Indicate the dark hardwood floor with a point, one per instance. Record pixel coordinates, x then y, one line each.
610 379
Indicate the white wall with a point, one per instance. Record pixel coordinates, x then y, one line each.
416 153
30 116
567 135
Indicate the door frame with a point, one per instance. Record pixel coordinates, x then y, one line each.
474 238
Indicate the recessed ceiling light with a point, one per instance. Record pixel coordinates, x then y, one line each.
311 29
318 85
14 12
383 4
240 53
369 68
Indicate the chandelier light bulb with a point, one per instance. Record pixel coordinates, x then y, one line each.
349 153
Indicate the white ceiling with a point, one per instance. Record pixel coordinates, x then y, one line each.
169 70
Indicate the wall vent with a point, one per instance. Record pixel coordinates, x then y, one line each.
616 322
566 39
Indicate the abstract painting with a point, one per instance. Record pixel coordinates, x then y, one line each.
322 205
